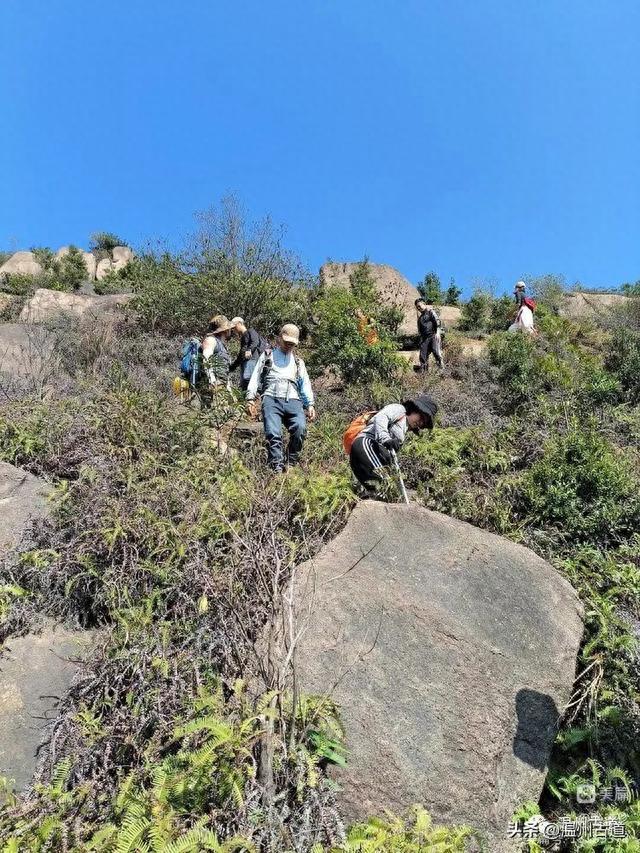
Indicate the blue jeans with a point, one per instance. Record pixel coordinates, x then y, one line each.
277 412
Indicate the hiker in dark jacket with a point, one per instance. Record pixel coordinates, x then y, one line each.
386 432
519 293
429 331
252 345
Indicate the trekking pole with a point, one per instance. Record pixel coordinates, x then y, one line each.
396 466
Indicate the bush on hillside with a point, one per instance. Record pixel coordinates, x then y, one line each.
338 342
476 312
105 242
623 360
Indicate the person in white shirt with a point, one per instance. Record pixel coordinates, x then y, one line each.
281 378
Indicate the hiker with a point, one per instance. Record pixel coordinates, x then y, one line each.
524 316
252 344
366 328
281 378
215 354
429 331
519 293
385 431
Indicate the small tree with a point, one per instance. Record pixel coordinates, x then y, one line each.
452 296
475 312
548 290
502 314
430 289
69 271
105 241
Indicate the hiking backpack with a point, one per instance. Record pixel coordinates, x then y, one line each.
266 367
357 425
191 362
530 303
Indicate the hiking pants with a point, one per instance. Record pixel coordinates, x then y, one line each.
276 413
366 457
430 345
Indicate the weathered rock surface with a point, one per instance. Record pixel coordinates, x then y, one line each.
452 653
90 264
393 288
121 256
46 304
103 268
584 305
34 670
23 498
23 263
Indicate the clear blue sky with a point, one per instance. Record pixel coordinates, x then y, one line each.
486 138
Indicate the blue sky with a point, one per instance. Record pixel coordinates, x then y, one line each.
479 138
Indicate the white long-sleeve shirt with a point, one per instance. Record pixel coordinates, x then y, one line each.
284 379
389 425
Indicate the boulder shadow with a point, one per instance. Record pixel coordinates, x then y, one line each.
538 719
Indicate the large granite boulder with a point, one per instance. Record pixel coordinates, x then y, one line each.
47 304
585 305
23 498
393 289
121 256
103 268
22 263
451 652
35 672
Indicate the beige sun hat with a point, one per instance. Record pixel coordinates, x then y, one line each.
237 321
520 285
290 333
219 323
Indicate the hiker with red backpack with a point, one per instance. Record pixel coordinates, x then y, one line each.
282 381
372 439
526 306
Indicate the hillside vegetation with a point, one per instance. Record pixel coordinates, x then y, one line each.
178 736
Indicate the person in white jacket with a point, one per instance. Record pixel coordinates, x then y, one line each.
385 432
281 378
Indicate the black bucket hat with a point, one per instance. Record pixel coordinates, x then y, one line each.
425 404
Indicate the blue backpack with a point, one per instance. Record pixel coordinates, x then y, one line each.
191 363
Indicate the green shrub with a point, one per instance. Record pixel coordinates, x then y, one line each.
105 241
69 271
581 489
476 312
623 360
502 314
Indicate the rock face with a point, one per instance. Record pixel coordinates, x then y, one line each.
121 256
46 304
452 653
90 264
394 289
23 263
23 497
103 268
33 671
591 305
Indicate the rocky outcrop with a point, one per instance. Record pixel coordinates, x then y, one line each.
394 289
23 498
35 671
103 268
451 653
584 305
121 256
21 263
47 304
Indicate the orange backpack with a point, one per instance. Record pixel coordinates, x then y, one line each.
354 429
